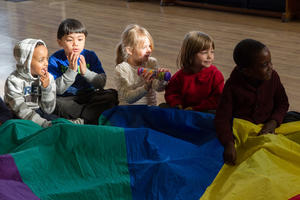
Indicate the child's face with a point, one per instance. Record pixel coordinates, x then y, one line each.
39 62
72 43
262 67
142 52
204 58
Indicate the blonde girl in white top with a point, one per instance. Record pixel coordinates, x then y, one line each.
134 51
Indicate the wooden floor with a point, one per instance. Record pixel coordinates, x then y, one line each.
105 20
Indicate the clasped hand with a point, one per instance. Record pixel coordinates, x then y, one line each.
73 58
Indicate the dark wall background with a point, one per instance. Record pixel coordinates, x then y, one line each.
271 5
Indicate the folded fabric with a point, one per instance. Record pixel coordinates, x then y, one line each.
268 166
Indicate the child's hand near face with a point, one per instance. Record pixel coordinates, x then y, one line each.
82 65
45 80
72 58
268 127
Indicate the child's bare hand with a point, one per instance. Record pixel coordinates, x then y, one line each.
268 127
45 80
148 77
179 106
229 154
163 70
82 65
72 58
188 108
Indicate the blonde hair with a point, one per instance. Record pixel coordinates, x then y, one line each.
131 37
193 43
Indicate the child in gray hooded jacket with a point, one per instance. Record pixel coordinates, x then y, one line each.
30 90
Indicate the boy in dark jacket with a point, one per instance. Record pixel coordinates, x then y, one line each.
253 92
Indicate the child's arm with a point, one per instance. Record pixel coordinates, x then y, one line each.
15 99
212 101
126 91
281 103
223 124
64 77
98 80
173 92
229 154
48 99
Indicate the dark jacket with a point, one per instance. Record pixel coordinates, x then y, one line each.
257 104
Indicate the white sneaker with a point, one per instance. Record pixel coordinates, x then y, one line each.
77 121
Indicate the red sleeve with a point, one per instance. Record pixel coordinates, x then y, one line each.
213 100
223 118
281 103
173 91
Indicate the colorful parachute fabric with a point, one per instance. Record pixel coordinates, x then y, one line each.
176 159
141 152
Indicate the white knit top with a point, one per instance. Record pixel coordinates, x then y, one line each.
130 85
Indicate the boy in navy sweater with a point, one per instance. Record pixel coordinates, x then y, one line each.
79 76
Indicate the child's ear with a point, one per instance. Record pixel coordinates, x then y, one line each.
129 50
59 42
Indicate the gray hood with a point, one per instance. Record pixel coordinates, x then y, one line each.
23 52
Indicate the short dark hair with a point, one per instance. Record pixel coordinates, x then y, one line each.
245 52
69 26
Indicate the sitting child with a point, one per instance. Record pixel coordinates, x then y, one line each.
30 90
253 92
79 77
198 84
134 51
